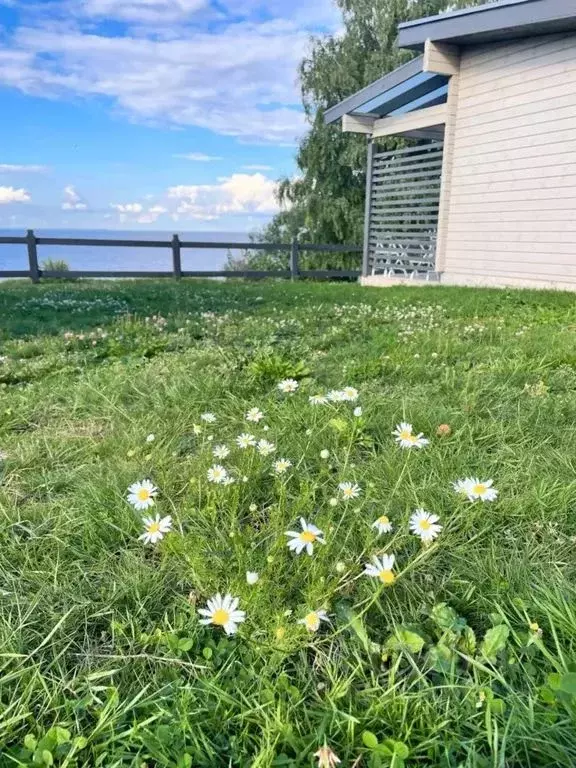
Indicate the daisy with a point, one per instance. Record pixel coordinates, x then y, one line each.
155 528
217 474
150 438
209 418
255 415
481 489
350 490
222 612
425 525
406 439
462 487
228 481
288 386
141 495
381 569
252 577
335 396
281 466
245 440
306 539
325 453
357 412
382 525
265 448
221 451
327 758
350 394
312 620
317 399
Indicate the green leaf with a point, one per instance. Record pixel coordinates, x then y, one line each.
185 643
405 639
339 425
497 706
401 750
30 742
467 642
444 616
494 641
441 657
369 740
47 758
568 683
80 742
207 653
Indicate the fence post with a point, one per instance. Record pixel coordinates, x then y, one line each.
294 252
32 256
176 257
368 208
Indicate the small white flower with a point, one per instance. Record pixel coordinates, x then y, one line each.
252 577
336 396
333 502
407 439
228 481
255 415
288 386
381 568
325 453
221 451
350 490
266 428
222 612
357 411
340 567
305 539
317 399
208 417
382 525
425 525
462 487
350 394
3 455
265 448
155 528
141 495
150 438
312 620
281 466
481 489
197 429
245 440
217 474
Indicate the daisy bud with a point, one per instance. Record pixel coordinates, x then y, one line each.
333 502
253 507
252 577
150 438
325 454
444 430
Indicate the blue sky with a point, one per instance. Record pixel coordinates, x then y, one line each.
151 114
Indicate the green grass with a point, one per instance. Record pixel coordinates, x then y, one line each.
103 661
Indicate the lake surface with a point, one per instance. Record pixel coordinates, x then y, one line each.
119 258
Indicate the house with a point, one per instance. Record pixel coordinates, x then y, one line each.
484 193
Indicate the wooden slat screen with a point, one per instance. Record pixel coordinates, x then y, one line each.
403 212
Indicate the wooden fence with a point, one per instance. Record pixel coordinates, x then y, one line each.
34 272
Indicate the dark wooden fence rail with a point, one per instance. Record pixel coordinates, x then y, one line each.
294 249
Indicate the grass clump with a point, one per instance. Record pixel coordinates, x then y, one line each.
462 655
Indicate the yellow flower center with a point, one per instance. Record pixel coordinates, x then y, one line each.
220 617
143 494
308 537
425 525
154 527
387 577
311 621
406 435
411 438
479 488
534 626
383 520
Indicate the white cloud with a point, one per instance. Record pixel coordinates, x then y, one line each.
72 200
240 193
136 212
127 207
140 11
12 195
257 167
199 157
15 168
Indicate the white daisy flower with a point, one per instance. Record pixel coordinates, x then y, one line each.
425 525
252 577
357 412
255 415
245 440
305 539
150 438
228 481
382 525
208 417
481 489
281 466
141 495
336 396
317 399
324 453
312 620
350 394
221 451
288 386
381 568
407 439
155 528
462 487
222 612
265 448
217 474
350 490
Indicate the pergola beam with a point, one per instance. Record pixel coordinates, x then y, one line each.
358 124
411 121
441 58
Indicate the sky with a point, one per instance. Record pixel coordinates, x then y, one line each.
150 114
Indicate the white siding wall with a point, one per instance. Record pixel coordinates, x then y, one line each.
512 201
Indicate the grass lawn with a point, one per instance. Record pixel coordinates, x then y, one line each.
460 654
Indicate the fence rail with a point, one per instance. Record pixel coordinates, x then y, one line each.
175 245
